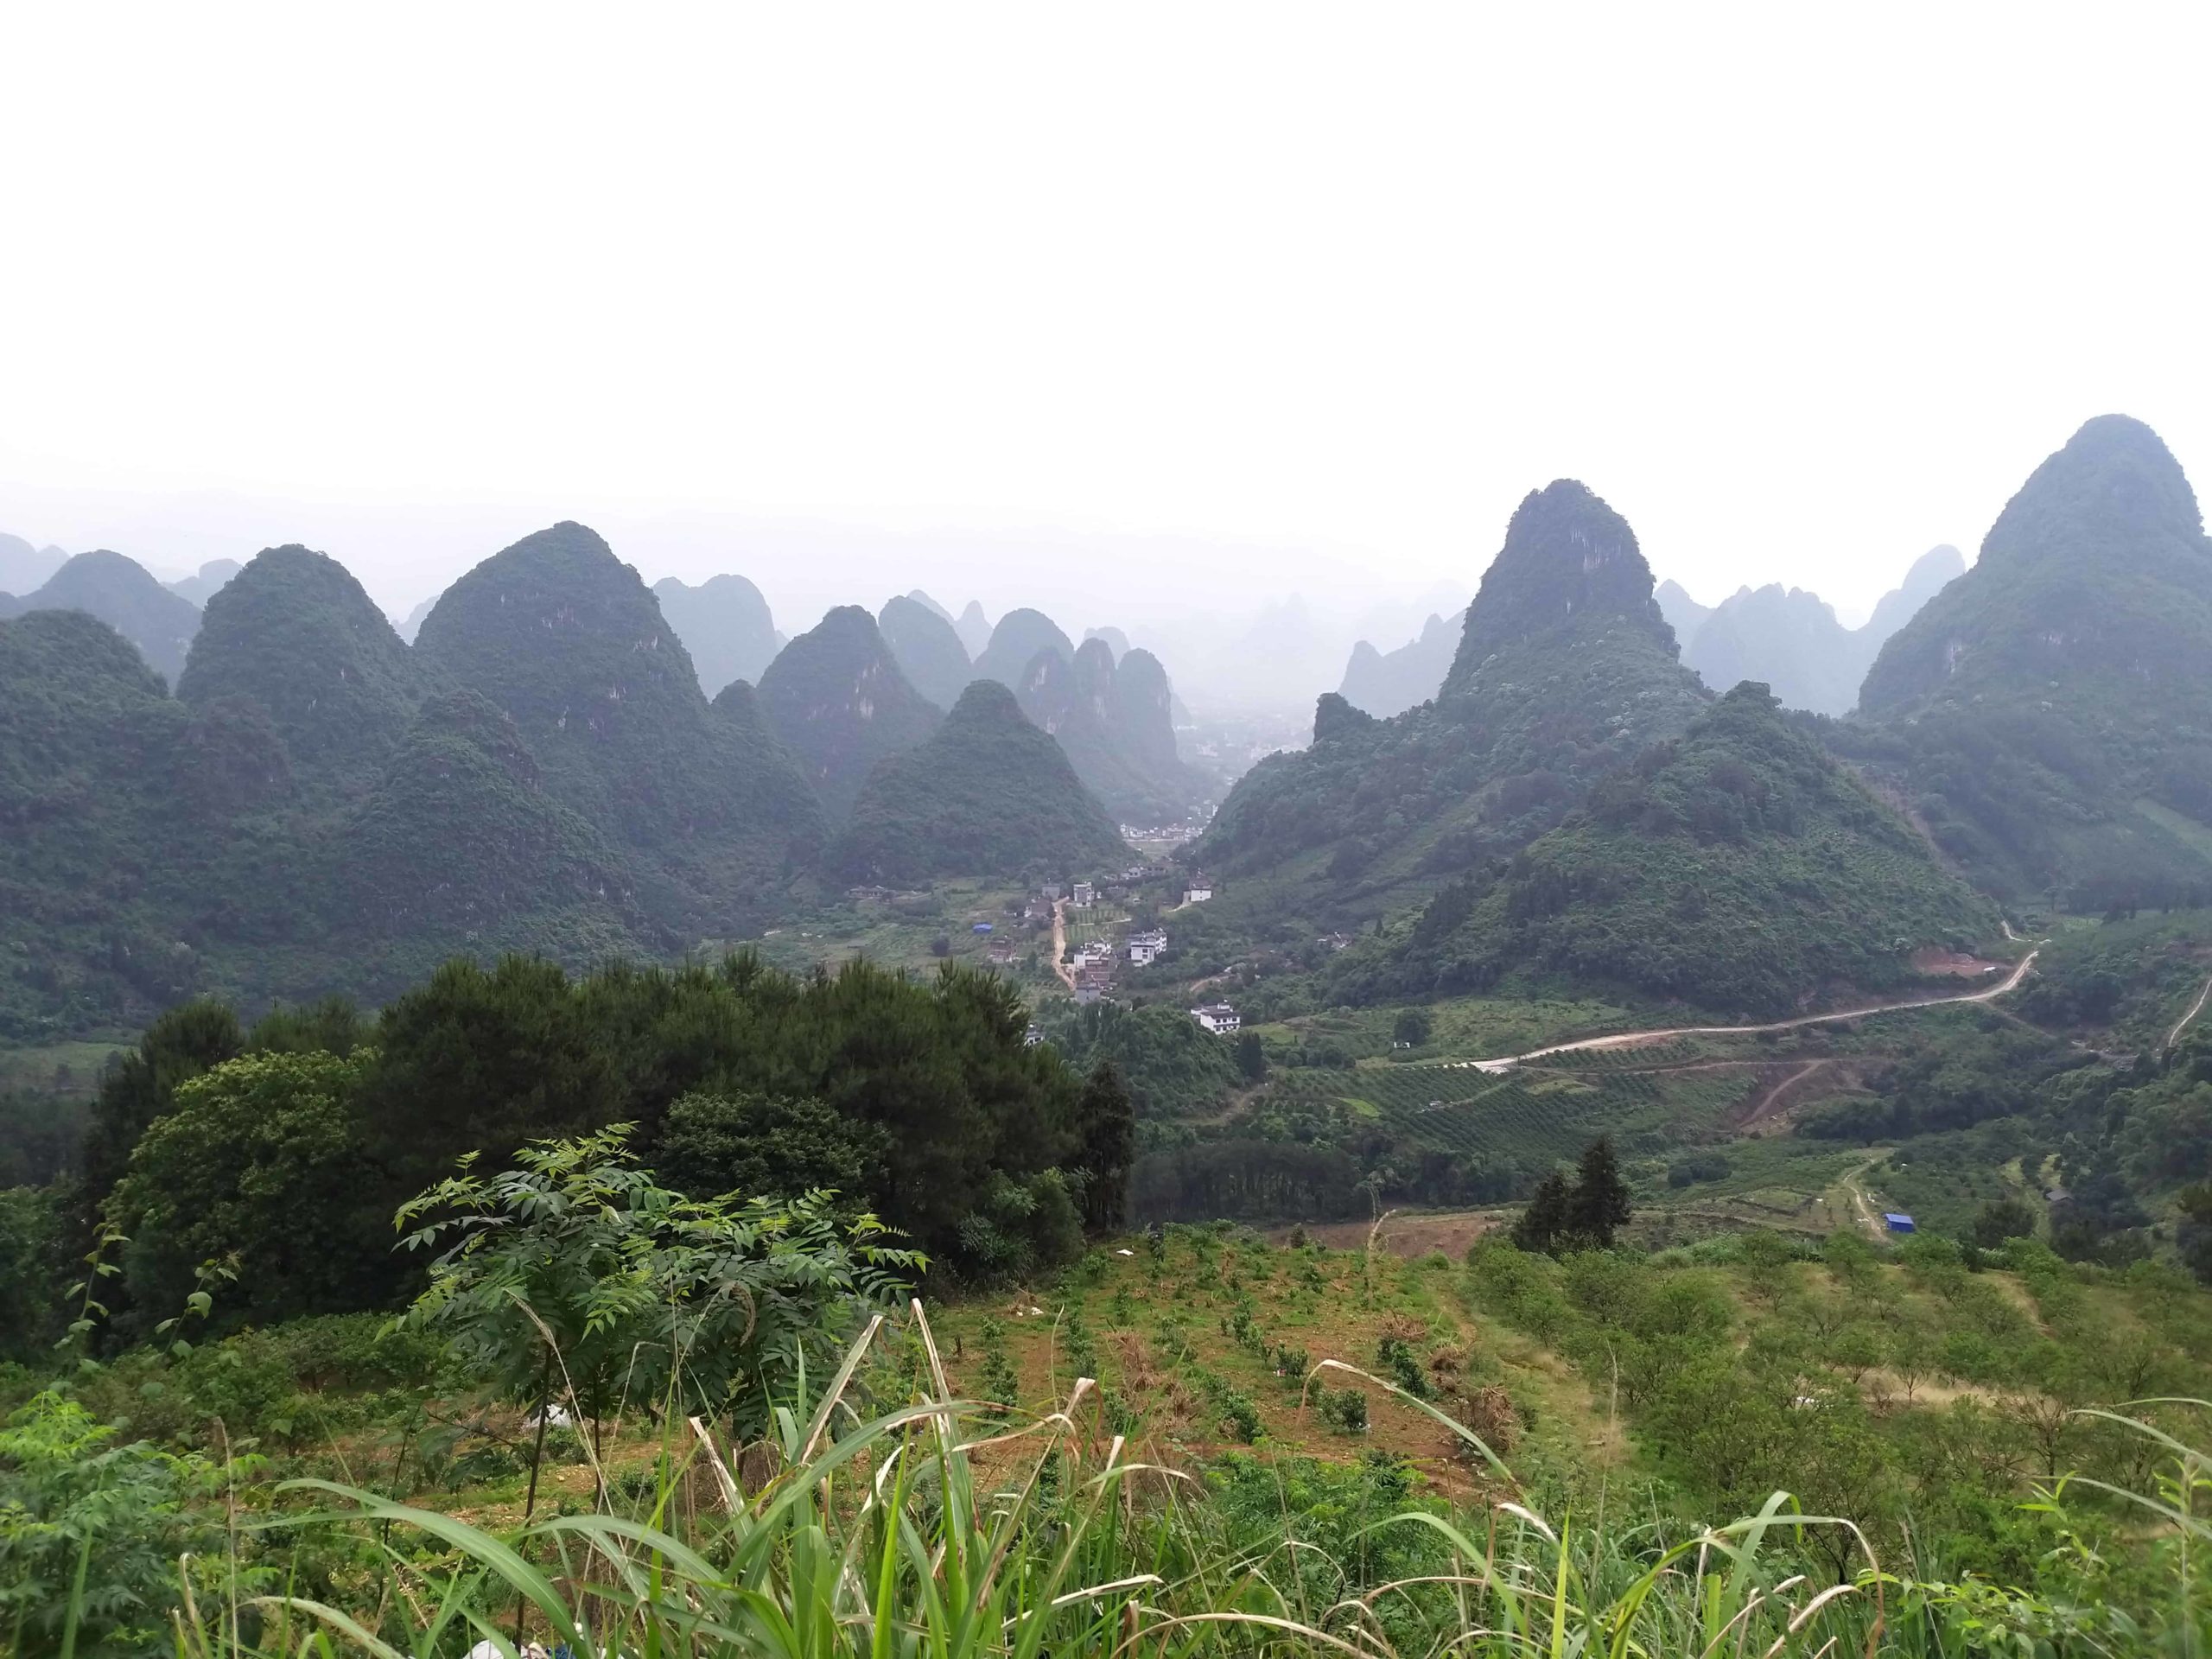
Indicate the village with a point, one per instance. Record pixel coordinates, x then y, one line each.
1097 935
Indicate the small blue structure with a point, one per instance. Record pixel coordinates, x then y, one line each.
1898 1224
981 927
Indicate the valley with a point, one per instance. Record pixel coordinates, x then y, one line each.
1579 1077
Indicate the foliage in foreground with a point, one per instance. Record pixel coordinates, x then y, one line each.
929 1527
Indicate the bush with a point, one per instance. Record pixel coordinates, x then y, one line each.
1343 1410
1240 1418
71 1500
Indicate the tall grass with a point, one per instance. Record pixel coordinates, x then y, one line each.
938 1529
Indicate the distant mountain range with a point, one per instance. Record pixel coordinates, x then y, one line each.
1787 639
202 585
23 568
319 807
122 593
1592 816
927 646
1791 639
724 624
322 807
1383 684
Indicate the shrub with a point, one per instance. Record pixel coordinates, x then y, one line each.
74 1504
1343 1410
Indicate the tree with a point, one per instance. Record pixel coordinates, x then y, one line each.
1546 1219
260 1160
1251 1056
2001 1219
480 1060
1412 1027
1600 1204
1107 1123
757 1145
576 1277
141 1087
2194 1234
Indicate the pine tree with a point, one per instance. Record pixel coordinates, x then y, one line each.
1107 1124
1547 1216
1599 1205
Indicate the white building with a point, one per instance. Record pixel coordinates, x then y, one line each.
1199 892
1217 1018
1085 896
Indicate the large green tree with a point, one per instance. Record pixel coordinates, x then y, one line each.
1107 1122
755 1145
259 1164
1601 1205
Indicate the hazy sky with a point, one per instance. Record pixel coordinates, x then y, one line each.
1123 307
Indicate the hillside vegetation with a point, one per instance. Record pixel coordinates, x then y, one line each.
928 649
2047 713
988 793
1565 672
293 632
122 593
836 697
567 641
1737 867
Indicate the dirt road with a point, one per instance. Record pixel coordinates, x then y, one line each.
2194 1008
1860 1205
1637 1039
1060 944
1763 1107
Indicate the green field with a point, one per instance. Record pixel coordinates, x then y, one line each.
71 1068
903 930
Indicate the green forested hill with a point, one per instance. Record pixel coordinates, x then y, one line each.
989 793
1014 644
122 593
928 648
837 699
295 633
1737 868
1112 722
126 818
2049 714
1565 672
322 810
566 639
460 848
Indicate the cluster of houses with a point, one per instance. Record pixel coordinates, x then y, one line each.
1164 835
1093 966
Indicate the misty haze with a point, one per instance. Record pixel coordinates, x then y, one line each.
1215 831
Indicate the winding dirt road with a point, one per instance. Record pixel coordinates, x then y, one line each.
2194 1008
1763 1108
1637 1038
